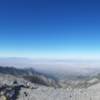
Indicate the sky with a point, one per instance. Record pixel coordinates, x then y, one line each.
50 29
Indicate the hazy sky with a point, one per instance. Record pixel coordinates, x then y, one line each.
50 28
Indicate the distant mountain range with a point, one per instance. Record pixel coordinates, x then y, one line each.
15 71
34 76
49 69
29 74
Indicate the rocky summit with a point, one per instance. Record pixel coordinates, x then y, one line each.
40 87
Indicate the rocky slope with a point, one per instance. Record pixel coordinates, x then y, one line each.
13 88
40 87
